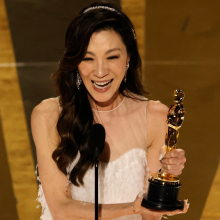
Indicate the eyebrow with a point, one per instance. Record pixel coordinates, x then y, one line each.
109 51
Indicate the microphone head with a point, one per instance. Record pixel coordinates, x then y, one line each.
96 139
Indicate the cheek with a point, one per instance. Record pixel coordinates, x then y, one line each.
119 69
84 69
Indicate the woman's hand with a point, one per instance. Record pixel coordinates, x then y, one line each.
153 214
173 162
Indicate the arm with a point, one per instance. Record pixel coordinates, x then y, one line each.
54 182
156 131
173 161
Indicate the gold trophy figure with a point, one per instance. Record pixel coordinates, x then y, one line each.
164 188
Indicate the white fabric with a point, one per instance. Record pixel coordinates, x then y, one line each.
121 179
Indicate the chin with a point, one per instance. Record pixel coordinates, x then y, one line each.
102 98
103 95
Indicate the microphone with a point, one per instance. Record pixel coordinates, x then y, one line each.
96 143
96 139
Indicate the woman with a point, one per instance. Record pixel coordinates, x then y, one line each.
98 81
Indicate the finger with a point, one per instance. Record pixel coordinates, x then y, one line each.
162 152
161 213
168 213
186 206
172 166
185 209
174 161
175 153
138 201
172 172
177 170
178 211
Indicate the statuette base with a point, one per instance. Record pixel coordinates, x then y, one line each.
162 196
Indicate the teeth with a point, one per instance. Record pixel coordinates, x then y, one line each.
102 87
101 83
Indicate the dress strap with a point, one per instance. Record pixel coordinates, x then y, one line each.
145 116
58 102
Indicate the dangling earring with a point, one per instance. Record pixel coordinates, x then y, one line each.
125 79
78 80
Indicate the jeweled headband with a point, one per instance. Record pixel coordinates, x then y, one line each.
110 9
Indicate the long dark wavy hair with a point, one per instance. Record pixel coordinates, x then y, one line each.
76 116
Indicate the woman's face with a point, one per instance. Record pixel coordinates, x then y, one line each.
104 66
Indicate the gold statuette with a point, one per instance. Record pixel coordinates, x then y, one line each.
175 119
163 187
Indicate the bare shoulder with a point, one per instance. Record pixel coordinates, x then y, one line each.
156 122
44 119
157 110
47 110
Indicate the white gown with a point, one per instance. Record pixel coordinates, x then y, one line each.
121 179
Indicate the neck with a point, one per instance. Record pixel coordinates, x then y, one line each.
108 105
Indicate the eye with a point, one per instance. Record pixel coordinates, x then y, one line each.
113 57
87 58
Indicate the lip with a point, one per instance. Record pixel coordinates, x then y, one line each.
104 89
103 81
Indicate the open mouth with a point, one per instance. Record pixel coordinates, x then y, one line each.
102 85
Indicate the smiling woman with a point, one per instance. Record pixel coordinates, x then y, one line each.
103 69
99 81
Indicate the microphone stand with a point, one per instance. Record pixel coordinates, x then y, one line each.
96 188
96 141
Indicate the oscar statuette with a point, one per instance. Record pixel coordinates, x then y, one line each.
164 188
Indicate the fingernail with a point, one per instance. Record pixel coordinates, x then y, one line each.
141 194
160 156
188 205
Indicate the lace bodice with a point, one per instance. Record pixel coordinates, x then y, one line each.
121 179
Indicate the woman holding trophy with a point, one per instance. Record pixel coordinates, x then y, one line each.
99 81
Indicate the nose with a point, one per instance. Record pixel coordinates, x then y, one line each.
100 70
